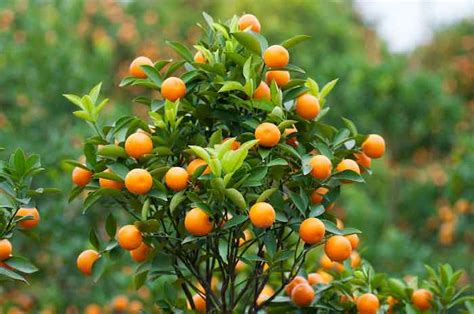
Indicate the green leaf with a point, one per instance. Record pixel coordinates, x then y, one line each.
236 198
177 199
12 275
266 194
350 125
327 88
277 162
331 227
182 50
293 41
235 221
231 85
21 264
313 87
94 240
111 226
74 99
216 138
348 175
113 151
98 269
201 153
94 93
249 41
298 201
139 279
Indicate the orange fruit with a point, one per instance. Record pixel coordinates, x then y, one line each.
93 309
421 299
86 260
81 176
240 266
312 230
374 146
293 283
135 307
266 293
249 21
348 164
199 303
355 259
262 92
293 141
129 237
136 67
363 160
338 248
140 254
5 249
110 184
176 178
280 77
268 134
317 195
173 88
320 167
354 240
262 215
30 223
276 56
339 223
302 295
307 106
367 304
199 57
235 145
326 277
120 303
391 301
315 278
138 144
197 222
246 236
138 181
196 163
327 264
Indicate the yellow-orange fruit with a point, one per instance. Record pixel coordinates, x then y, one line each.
293 141
317 195
347 164
320 167
280 77
312 230
138 181
129 237
421 299
173 88
196 163
199 57
276 56
110 184
199 303
268 134
176 178
235 144
136 66
363 160
93 309
302 295
140 254
367 304
6 249
338 248
262 92
81 176
293 283
374 146
262 215
249 21
86 260
307 106
138 144
197 222
30 223
354 240
355 259
120 303
315 278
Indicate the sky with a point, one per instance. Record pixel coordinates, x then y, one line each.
404 24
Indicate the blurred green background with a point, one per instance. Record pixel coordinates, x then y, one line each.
417 208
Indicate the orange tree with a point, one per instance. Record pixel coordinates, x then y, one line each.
17 211
230 183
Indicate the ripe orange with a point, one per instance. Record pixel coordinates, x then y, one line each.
268 134
135 307
367 304
129 237
327 264
247 236
262 215
338 248
138 144
293 141
302 295
136 67
81 176
141 253
355 259
199 57
199 303
110 184
196 163
176 178
315 278
293 283
421 299
120 303
374 146
276 56
86 260
173 88
30 223
363 160
265 294
249 20
318 194
5 249
138 181
235 145
312 230
240 266
197 222
320 167
307 106
281 78
354 240
391 301
262 92
348 164
93 309
326 277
